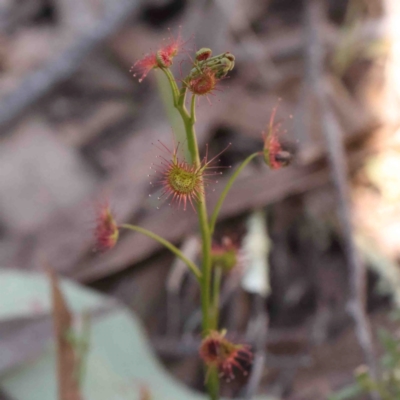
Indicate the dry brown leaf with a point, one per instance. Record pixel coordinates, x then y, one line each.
67 360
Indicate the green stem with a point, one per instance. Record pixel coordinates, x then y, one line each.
168 245
221 199
174 86
213 383
193 109
208 322
182 96
203 221
189 120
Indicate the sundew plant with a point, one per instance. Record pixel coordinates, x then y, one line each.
183 183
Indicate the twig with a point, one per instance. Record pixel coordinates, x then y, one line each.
336 154
67 359
40 82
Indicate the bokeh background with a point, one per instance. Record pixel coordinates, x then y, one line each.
77 129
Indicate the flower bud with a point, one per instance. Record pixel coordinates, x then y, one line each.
203 54
203 83
207 71
163 59
220 65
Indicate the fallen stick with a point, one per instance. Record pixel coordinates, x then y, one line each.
338 165
38 83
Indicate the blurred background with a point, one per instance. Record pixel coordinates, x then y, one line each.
76 128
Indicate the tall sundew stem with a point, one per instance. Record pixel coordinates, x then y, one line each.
208 322
189 121
203 222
